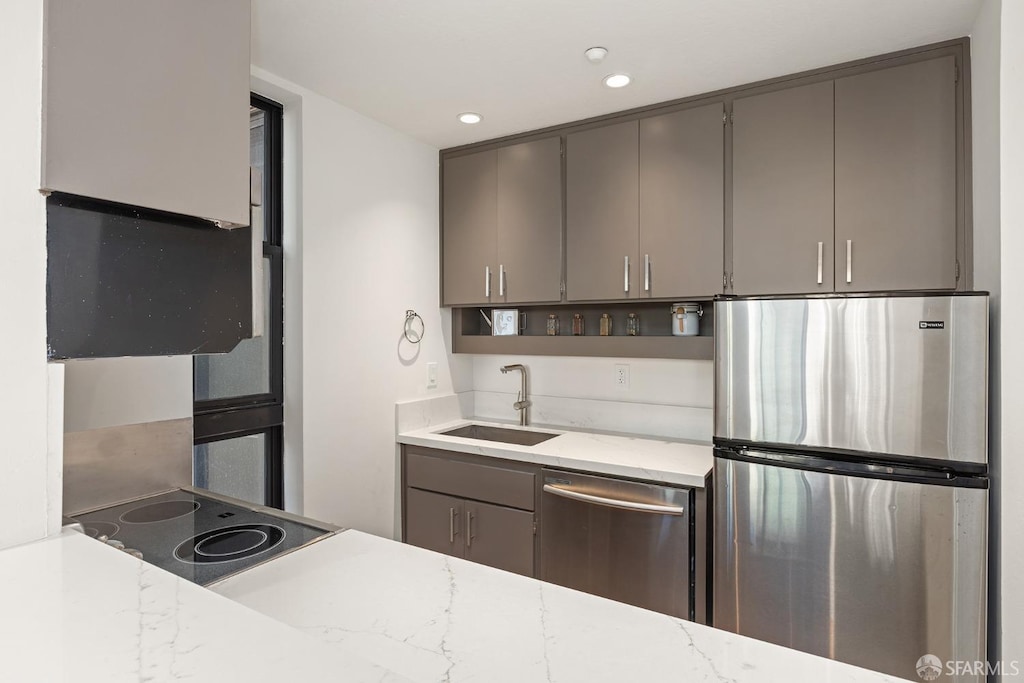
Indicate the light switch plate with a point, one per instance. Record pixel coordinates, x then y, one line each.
432 375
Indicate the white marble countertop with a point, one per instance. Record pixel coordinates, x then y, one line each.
74 609
434 618
651 459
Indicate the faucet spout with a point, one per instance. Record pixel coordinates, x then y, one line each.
522 404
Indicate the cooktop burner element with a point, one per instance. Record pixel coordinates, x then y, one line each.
230 543
159 512
202 538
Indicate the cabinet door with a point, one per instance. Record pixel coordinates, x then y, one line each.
682 190
603 213
147 103
434 522
530 222
783 191
500 537
470 226
896 178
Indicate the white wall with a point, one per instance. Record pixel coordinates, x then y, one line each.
369 252
985 41
670 398
24 486
109 392
1011 126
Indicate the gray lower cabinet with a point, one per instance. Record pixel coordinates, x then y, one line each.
502 225
147 103
602 213
434 521
783 191
896 193
682 215
481 512
500 536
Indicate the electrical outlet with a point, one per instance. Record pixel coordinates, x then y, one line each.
431 375
621 376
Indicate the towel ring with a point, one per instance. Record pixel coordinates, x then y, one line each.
411 317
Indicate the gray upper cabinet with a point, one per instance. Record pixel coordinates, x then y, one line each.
147 103
895 146
470 249
502 235
602 213
783 191
530 222
682 189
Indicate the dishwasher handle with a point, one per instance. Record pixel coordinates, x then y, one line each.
614 502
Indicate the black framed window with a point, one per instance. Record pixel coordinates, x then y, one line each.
239 396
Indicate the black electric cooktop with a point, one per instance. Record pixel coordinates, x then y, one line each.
199 538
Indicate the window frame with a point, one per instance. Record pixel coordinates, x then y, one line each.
234 416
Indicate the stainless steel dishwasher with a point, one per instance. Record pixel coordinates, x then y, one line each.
624 540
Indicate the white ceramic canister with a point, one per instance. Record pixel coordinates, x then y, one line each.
686 319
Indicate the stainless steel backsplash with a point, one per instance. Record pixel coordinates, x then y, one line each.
114 464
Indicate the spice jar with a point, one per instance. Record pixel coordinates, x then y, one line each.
552 324
606 324
577 324
632 325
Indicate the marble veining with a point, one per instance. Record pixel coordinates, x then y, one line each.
77 610
434 618
670 462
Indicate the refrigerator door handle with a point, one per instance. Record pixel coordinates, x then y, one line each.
862 468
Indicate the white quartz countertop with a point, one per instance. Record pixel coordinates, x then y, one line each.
74 609
651 459
432 618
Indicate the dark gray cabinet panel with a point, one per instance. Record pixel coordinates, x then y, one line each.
469 240
895 147
500 537
147 103
603 213
682 186
514 488
434 522
530 222
783 191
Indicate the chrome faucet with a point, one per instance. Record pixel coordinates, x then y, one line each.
522 403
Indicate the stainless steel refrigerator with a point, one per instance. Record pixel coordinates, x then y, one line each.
851 490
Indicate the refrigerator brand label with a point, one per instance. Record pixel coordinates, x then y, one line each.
932 324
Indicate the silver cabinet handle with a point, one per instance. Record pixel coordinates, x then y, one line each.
821 248
614 502
469 529
625 275
451 525
501 280
647 272
849 261
487 281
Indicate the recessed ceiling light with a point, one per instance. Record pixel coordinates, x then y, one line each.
470 117
617 80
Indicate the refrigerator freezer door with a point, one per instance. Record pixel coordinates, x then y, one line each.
905 376
870 572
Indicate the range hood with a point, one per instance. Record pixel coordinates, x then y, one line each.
127 281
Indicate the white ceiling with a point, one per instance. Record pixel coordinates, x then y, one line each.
415 64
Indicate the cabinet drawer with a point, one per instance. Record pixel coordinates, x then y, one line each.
469 480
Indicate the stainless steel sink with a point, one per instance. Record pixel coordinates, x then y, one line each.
520 437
